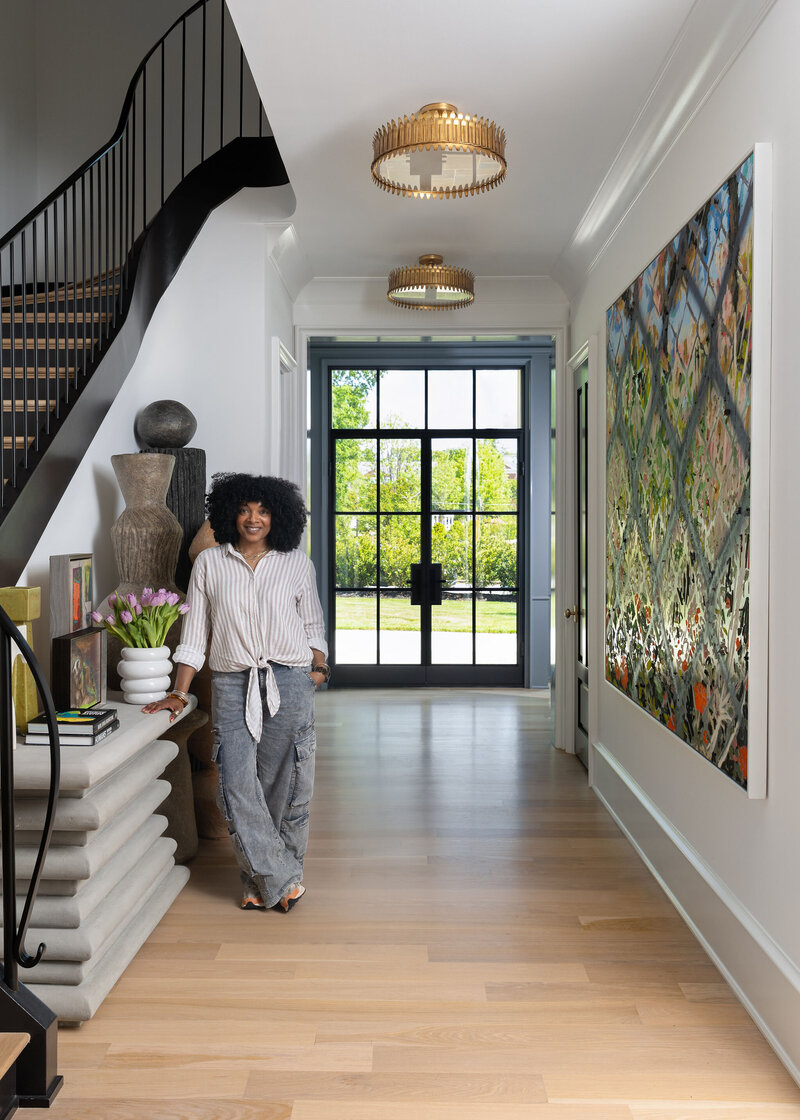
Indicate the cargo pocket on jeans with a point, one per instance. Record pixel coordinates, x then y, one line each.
304 754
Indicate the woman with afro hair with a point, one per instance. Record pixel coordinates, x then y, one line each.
256 593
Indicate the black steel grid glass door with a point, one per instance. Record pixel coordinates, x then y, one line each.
426 524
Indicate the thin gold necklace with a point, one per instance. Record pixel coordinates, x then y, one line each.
254 556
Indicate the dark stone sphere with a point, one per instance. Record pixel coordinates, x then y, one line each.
165 424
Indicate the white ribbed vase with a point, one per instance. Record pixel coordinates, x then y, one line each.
144 674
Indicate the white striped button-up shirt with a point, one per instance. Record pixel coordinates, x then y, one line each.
255 617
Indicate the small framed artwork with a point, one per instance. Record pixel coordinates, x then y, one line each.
71 593
79 668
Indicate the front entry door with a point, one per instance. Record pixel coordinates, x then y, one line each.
425 499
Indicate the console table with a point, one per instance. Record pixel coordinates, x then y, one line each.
109 875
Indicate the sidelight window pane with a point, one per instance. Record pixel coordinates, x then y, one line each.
451 629
496 628
402 393
400 475
497 398
356 551
356 460
451 546
400 548
450 398
356 628
496 551
451 474
354 398
401 643
496 482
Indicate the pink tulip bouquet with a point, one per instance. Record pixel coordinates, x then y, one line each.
142 622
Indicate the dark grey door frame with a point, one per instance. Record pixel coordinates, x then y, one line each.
535 357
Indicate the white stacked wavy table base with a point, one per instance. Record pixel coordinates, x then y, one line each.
109 876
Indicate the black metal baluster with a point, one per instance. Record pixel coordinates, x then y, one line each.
102 250
7 737
95 277
74 314
241 90
183 98
65 289
83 277
13 344
124 244
25 370
203 92
144 147
3 386
116 156
35 291
47 378
163 108
221 75
52 297
133 178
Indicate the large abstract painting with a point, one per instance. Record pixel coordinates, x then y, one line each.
678 413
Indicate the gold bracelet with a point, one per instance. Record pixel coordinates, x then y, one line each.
177 696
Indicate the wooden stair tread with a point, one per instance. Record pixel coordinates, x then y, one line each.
18 443
69 343
56 294
11 1046
45 317
50 371
31 405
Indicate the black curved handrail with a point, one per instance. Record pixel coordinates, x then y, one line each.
70 259
14 952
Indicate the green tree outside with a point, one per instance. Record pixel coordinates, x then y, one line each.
359 474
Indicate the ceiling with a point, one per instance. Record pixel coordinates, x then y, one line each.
588 91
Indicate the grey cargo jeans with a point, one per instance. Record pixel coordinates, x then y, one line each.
265 787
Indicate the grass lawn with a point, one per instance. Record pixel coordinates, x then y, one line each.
355 613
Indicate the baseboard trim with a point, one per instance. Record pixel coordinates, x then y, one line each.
764 978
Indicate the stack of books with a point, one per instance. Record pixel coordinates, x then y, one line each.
78 727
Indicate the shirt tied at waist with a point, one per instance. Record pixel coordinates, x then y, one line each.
253 709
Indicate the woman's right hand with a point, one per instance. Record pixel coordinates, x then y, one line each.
172 704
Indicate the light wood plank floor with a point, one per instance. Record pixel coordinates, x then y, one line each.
478 942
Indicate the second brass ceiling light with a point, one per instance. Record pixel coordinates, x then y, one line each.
443 154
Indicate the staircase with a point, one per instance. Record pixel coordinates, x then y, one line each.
50 339
89 264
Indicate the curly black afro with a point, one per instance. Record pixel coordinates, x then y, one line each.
281 497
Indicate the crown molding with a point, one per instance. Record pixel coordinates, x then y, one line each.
711 39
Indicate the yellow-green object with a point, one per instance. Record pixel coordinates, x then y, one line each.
23 605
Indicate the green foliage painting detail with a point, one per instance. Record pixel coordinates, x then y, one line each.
678 481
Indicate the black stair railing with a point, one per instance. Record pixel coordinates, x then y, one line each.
20 1010
66 268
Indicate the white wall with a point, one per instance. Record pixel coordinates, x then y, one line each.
730 862
514 305
208 345
17 113
86 54
65 71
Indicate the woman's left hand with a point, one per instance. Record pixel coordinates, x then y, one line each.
317 678
171 704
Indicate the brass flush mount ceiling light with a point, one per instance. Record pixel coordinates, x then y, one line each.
439 153
431 285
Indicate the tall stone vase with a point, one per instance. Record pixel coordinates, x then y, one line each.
146 537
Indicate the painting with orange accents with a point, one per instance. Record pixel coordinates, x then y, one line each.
678 414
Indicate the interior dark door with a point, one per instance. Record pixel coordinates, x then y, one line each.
578 612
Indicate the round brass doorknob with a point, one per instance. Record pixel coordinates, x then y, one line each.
571 612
